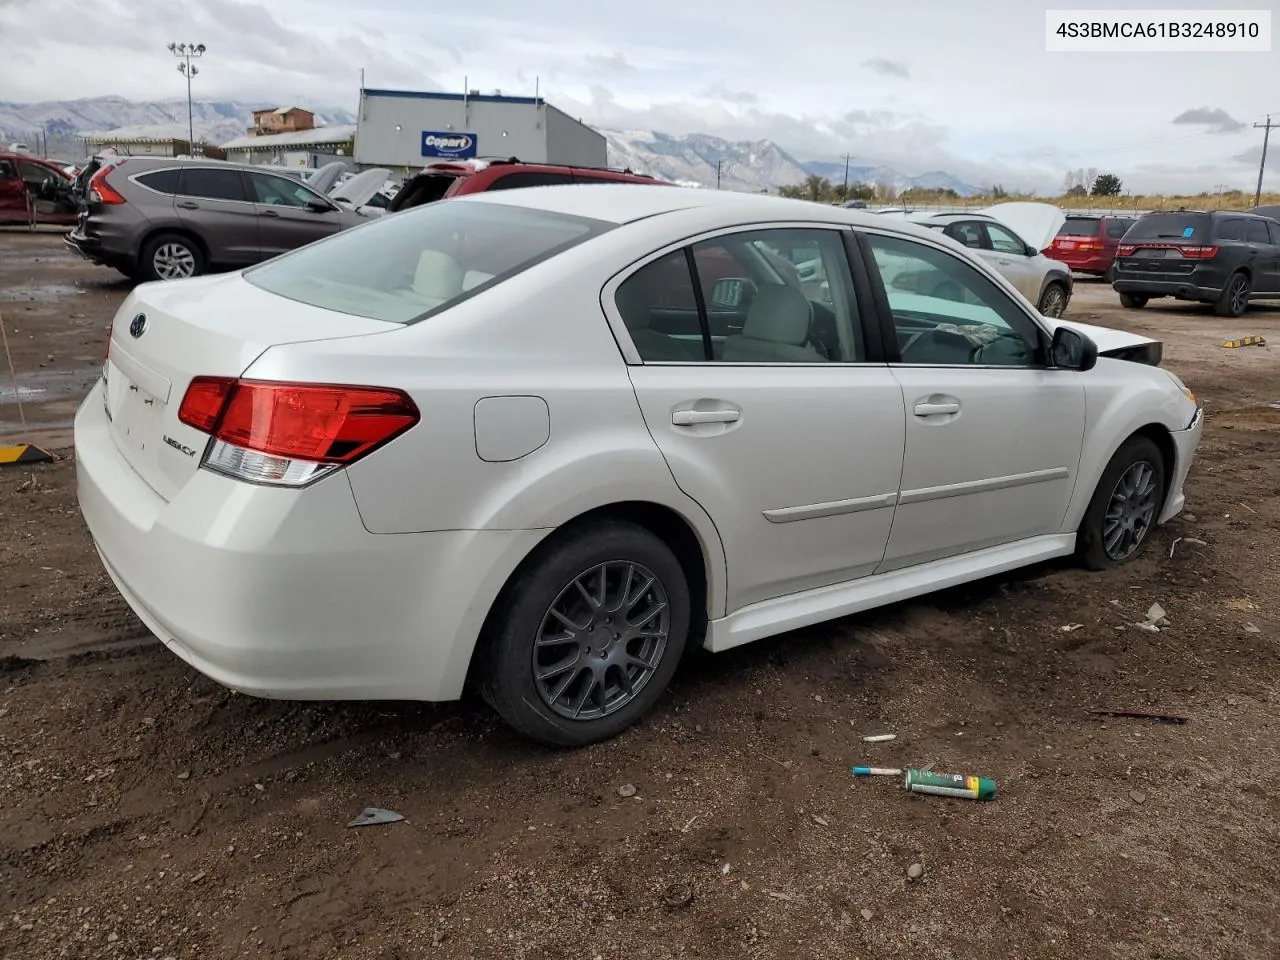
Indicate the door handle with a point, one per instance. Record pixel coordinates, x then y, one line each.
1004 263
268 213
187 205
933 409
687 418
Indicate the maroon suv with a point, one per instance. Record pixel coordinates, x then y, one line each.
454 178
1088 244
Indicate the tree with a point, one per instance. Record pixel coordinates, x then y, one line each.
998 192
1107 185
1077 190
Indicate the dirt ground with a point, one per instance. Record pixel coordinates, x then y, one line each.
147 812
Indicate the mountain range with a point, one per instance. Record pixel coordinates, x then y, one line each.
695 158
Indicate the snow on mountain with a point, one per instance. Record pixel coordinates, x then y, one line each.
61 122
833 170
693 158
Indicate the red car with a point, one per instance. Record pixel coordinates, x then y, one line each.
1088 244
453 178
24 196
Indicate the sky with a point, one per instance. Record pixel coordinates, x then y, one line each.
915 84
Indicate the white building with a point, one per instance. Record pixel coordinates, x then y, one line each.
301 148
403 130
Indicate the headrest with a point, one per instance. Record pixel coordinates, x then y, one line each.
779 314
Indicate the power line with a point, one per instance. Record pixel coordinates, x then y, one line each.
1163 140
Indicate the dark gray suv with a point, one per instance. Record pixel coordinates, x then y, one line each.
165 219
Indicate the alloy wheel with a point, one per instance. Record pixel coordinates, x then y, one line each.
173 261
1239 294
1055 302
1130 511
601 640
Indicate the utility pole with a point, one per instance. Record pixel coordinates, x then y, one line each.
1262 164
718 162
186 52
846 176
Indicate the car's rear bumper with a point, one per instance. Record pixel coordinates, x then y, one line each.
1183 290
284 593
1083 263
1185 442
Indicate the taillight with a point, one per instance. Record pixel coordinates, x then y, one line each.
1125 250
1089 245
102 192
1198 253
291 433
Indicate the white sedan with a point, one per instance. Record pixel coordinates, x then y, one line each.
542 440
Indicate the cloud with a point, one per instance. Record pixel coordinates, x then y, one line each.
1217 119
614 63
888 68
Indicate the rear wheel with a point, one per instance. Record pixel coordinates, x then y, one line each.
1133 301
1234 298
1053 302
1125 506
586 638
171 256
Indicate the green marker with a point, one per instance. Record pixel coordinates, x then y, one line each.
950 785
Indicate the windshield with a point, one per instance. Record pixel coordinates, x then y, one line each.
1079 227
406 267
1170 226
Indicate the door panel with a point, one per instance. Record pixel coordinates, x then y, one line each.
765 408
1008 255
993 438
213 204
13 195
798 466
991 457
285 222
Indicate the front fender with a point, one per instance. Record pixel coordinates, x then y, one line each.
1122 398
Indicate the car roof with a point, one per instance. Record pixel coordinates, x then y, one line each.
622 203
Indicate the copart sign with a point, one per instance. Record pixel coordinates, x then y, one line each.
448 143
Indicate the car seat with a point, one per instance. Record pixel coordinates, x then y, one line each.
776 329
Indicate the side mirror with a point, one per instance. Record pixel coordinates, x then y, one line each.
319 206
730 292
1072 350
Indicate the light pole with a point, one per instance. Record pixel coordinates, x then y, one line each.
186 52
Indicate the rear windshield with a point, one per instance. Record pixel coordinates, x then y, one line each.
1171 226
405 267
1080 227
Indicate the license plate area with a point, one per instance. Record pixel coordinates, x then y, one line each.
136 415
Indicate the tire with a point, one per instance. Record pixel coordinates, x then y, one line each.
170 256
1127 465
1133 301
1053 301
1234 297
1110 275
552 579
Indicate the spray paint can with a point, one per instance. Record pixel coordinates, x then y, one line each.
960 785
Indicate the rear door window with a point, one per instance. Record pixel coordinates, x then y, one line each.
1256 232
971 233
1117 228
161 181
1080 227
211 184
1274 228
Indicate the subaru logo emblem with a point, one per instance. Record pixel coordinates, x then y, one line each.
138 326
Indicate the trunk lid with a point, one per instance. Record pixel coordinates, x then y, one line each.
209 326
360 189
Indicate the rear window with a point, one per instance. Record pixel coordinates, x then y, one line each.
1117 228
1171 226
404 268
1232 229
1080 227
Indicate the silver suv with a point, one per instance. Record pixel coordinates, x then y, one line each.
166 219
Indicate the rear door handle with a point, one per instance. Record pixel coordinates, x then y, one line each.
933 409
267 213
187 205
687 418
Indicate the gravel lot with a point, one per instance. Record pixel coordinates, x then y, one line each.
145 811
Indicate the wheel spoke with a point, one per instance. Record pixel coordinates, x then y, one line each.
559 667
574 628
564 685
593 682
640 595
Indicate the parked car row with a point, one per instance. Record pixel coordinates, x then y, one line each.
169 219
543 441
33 190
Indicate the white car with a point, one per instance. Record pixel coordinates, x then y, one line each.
1010 236
545 439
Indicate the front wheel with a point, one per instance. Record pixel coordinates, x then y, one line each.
1125 506
1234 298
1053 302
1133 301
587 636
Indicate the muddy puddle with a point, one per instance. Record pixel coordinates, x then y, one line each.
38 292
53 385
